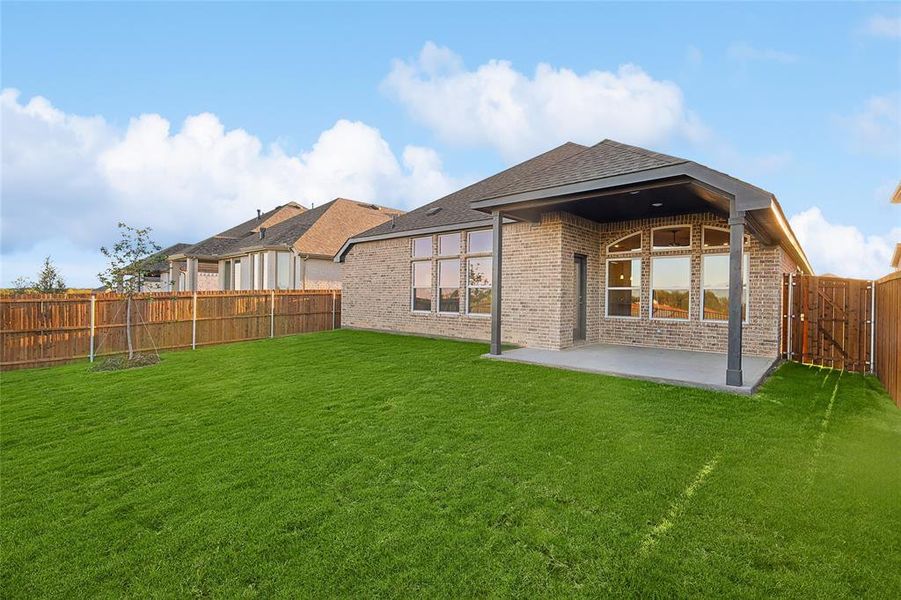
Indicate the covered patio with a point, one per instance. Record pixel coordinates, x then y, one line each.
676 367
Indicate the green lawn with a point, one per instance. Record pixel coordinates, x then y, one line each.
362 464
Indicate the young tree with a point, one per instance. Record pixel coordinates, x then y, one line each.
128 260
49 280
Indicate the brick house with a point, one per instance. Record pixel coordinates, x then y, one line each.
288 247
612 243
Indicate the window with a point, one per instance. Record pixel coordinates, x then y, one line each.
665 238
422 247
478 285
480 241
255 271
630 243
624 288
449 244
449 285
283 270
422 286
715 287
670 287
716 237
226 275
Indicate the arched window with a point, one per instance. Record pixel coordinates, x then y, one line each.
629 243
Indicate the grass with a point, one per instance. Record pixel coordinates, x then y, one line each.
362 464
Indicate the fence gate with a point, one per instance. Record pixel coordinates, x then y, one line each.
828 321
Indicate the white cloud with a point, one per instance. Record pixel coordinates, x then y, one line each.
72 178
843 249
497 106
745 52
882 26
876 128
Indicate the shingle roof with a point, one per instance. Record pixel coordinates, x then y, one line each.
605 159
454 208
161 262
231 239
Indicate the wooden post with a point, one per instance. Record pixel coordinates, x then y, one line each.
272 313
872 327
334 312
93 306
788 321
496 284
736 247
194 322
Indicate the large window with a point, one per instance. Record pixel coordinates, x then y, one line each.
422 247
283 270
480 241
630 243
715 287
422 286
449 285
666 238
478 286
624 288
670 287
716 237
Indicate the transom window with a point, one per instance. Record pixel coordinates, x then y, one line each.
716 237
449 244
449 285
478 285
670 287
666 238
715 287
422 247
480 241
624 288
630 243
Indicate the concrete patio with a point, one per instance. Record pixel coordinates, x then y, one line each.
677 367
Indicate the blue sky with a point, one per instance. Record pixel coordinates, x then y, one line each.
376 101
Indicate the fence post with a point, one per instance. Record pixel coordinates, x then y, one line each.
788 321
93 305
272 314
333 310
194 323
873 327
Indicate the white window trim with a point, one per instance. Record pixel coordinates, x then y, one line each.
746 289
438 287
651 290
639 233
413 288
607 314
691 233
413 247
478 255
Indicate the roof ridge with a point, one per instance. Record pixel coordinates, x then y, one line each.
641 151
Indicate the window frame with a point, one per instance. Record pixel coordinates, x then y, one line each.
438 288
639 233
704 245
470 251
413 287
478 256
651 289
458 251
691 234
413 241
746 287
607 288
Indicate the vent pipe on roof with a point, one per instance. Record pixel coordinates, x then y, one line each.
259 214
262 232
393 221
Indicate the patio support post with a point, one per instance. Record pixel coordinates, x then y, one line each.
497 250
736 246
191 274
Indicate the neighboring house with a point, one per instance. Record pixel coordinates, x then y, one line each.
289 247
896 258
610 243
156 274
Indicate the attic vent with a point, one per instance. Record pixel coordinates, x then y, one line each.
262 232
433 211
375 207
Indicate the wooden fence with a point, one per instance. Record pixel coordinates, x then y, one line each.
849 324
40 330
888 334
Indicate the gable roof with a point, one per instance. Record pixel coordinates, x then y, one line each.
160 260
605 159
454 208
230 239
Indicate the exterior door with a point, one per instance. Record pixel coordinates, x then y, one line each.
580 276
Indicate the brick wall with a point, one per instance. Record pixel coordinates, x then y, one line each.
539 289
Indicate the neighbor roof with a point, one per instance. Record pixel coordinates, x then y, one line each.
896 257
162 263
